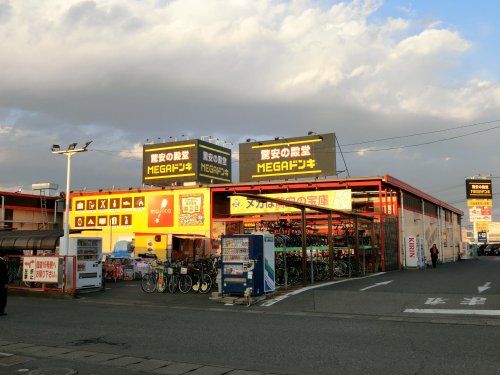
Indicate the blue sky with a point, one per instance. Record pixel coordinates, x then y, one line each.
476 21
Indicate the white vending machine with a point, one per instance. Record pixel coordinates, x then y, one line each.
88 252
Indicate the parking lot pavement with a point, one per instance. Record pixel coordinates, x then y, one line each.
21 357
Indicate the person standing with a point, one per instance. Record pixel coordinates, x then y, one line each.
3 285
434 255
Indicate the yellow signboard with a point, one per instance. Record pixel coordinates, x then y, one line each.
334 199
118 216
480 203
481 226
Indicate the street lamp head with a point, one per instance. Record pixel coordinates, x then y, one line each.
87 145
55 148
72 146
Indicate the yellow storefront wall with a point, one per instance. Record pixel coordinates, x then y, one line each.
150 218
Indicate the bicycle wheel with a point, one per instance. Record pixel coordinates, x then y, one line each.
172 284
185 284
279 276
148 283
205 284
161 284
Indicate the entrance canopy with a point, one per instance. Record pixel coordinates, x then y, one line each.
19 240
30 240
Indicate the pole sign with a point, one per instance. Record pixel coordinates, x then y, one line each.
479 214
309 156
482 237
173 163
478 189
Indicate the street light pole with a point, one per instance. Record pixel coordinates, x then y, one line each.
69 152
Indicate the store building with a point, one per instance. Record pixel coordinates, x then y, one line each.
19 211
406 223
168 222
187 222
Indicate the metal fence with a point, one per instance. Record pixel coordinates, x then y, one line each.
66 277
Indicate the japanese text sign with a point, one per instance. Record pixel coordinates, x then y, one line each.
186 161
41 269
478 189
334 199
289 158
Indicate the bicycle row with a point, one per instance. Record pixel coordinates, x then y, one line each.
184 276
318 268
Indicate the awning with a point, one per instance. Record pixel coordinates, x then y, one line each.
30 239
189 236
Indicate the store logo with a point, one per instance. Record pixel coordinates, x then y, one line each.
161 211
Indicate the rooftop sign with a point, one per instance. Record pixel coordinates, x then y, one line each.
309 156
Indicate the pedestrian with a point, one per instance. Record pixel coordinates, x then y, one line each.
3 285
434 255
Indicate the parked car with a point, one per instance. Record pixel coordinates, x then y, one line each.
480 249
492 249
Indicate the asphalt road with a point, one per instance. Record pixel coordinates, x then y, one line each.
332 329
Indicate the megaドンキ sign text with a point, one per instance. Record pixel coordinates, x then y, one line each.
309 156
186 161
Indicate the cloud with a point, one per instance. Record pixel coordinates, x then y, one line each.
118 72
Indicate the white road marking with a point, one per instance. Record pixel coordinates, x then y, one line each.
305 289
473 301
454 311
486 286
375 285
435 301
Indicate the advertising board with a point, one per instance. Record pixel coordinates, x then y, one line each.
309 156
334 199
411 250
171 163
479 203
41 269
479 214
478 189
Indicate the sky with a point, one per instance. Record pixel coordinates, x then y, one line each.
119 72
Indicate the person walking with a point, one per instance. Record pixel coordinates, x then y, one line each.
434 255
3 285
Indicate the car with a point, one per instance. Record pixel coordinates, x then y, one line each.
492 249
480 249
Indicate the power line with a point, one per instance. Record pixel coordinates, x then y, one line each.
423 133
423 143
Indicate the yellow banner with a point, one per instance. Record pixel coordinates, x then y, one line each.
481 226
334 199
480 203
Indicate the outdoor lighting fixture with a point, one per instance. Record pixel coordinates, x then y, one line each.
310 132
69 152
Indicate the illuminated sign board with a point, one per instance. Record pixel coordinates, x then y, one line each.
309 156
478 189
195 160
334 199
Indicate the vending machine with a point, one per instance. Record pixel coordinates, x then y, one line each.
88 253
248 264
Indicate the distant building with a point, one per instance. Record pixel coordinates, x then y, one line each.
19 211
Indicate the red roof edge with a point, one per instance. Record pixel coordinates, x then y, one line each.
410 189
